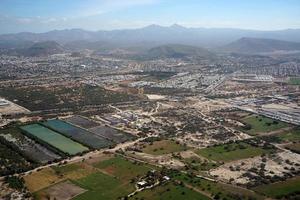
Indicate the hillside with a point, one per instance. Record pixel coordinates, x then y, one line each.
42 49
154 35
260 45
178 51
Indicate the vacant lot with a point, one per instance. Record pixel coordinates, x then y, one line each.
102 186
80 135
260 124
281 189
54 139
163 147
170 191
231 152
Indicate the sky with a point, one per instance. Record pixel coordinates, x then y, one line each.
46 15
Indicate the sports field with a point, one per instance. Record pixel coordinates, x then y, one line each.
163 147
54 139
280 189
78 134
231 152
261 124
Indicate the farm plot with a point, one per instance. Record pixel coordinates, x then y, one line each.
112 134
54 139
102 186
61 191
28 147
123 169
78 134
81 121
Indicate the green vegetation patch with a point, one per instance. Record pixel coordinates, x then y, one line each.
278 190
170 191
294 81
197 164
102 186
11 162
260 124
71 96
163 147
231 152
54 139
122 168
291 136
215 189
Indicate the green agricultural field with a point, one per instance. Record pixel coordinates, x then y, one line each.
197 164
216 189
294 81
290 136
54 139
169 191
123 169
163 147
102 186
261 124
281 189
231 152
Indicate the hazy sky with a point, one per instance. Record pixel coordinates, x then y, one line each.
44 15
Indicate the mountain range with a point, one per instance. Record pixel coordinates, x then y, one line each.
151 36
154 41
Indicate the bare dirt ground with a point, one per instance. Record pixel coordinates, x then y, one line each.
277 165
165 160
62 191
12 109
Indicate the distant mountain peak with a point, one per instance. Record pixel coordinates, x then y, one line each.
177 26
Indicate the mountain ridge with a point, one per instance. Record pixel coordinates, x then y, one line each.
156 34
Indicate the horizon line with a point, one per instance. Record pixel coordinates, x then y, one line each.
153 25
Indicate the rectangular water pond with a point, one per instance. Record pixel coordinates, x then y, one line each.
81 135
54 139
